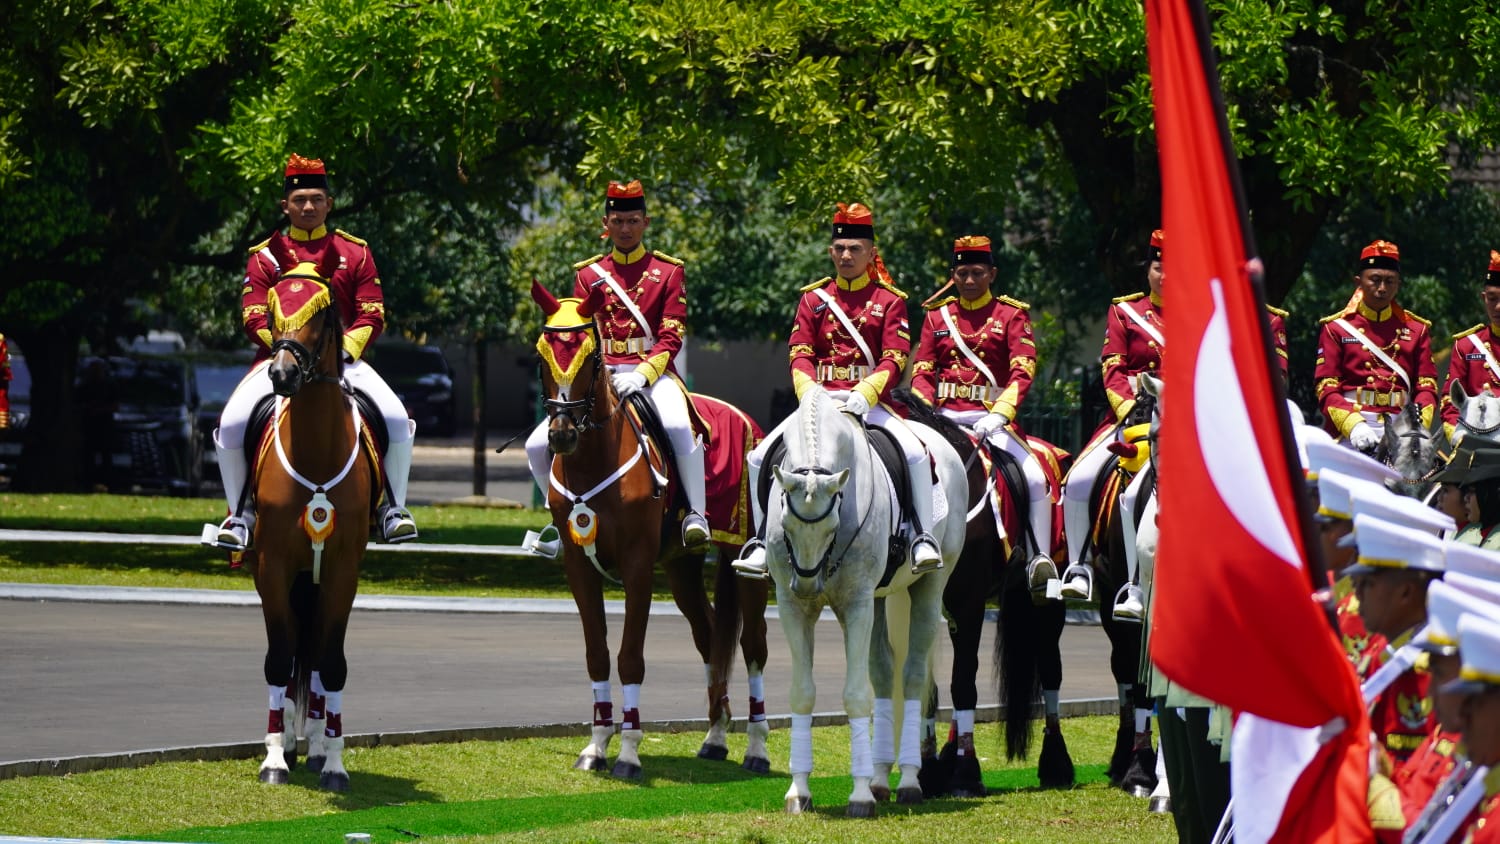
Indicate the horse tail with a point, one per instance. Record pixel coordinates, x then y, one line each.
1016 654
726 617
304 606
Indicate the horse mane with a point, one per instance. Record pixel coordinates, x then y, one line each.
808 418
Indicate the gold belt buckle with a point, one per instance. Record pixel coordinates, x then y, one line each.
841 373
617 347
963 391
1382 399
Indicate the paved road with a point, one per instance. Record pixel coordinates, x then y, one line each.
85 678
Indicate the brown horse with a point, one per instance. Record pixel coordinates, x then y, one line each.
313 492
617 521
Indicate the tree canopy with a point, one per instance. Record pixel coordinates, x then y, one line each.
140 143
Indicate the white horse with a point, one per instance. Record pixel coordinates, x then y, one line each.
827 542
1478 415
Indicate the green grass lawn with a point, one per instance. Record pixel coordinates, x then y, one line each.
154 566
525 790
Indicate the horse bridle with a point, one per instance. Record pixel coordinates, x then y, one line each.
580 412
308 359
833 506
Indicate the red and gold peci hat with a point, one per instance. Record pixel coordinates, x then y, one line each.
629 196
973 249
1153 252
1492 279
1382 255
303 173
854 221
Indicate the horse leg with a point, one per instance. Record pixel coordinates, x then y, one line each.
858 618
925 615
333 672
686 581
752 601
797 622
280 647
309 694
588 596
883 725
632 664
966 610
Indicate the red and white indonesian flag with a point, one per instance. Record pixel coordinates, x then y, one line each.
1232 617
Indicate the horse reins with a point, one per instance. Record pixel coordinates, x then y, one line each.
832 507
307 359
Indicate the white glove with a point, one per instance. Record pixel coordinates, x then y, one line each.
990 423
628 382
1363 437
857 404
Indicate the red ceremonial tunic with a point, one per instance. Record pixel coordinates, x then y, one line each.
654 282
1469 366
1402 717
1277 318
822 350
1366 650
1420 775
998 332
1350 378
355 287
1129 347
1483 826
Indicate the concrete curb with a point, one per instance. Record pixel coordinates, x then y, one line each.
254 750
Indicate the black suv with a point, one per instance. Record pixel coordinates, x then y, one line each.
152 415
422 378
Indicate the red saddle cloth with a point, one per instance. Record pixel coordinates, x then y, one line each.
731 435
1055 462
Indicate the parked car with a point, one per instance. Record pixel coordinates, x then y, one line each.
422 378
154 439
217 376
20 413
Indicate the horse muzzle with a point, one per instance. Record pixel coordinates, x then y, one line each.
285 380
562 436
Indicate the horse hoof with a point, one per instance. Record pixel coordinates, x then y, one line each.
881 791
1160 805
291 761
967 791
1139 791
860 810
315 763
757 765
590 763
798 805
626 771
716 752
274 776
333 781
909 796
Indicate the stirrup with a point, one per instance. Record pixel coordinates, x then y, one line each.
233 534
396 525
1128 604
751 563
1078 583
1039 572
541 544
923 563
694 529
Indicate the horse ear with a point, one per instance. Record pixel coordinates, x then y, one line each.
780 477
1456 392
328 263
840 479
281 252
590 304
543 297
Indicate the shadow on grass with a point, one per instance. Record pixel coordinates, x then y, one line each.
366 790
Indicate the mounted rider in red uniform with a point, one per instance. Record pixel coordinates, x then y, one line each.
1475 361
642 317
355 286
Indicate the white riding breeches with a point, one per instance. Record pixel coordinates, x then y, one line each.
671 404
257 384
1077 490
1038 490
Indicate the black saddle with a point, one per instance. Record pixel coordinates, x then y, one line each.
1009 472
260 422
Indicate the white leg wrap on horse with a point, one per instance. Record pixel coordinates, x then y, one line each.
333 756
963 721
276 696
801 761
1142 720
601 691
1050 703
539 457
398 466
911 735
883 732
630 715
334 715
757 684
860 763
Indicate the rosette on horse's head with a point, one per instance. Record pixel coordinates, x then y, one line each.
569 341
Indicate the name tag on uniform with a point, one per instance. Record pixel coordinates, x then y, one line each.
1474 356
940 333
820 307
1348 339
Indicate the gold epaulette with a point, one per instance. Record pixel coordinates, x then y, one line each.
1015 303
1332 317
1462 334
586 261
815 285
891 287
351 238
1120 300
1426 322
259 246
942 302
668 258
1278 311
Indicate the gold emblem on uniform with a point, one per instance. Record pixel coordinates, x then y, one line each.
619 347
1413 710
877 310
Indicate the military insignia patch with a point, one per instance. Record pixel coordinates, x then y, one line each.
1413 710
